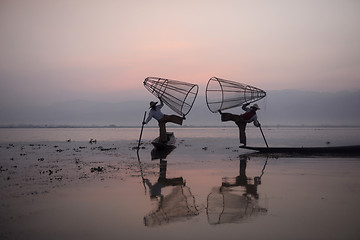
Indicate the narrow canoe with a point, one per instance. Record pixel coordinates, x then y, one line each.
163 145
338 150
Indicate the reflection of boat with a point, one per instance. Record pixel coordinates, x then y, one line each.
161 153
169 144
236 199
339 150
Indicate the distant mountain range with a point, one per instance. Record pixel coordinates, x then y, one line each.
285 107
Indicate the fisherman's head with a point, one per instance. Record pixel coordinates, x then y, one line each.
153 104
255 107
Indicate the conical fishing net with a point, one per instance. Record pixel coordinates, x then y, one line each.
177 206
225 205
224 94
177 95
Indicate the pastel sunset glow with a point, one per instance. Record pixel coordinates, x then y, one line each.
61 50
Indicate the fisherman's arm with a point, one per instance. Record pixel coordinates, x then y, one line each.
245 106
256 122
161 103
148 118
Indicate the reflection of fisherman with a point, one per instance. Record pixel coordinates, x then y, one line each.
156 113
177 203
231 204
155 190
163 181
242 119
244 181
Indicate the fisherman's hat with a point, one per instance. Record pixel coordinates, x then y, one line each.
152 104
255 106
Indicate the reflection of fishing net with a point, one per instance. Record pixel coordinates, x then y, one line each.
226 206
179 96
224 94
178 205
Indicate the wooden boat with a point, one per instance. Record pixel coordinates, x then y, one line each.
323 151
163 145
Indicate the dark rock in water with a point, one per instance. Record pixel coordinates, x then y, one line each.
97 169
106 149
3 169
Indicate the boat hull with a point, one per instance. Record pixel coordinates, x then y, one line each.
339 150
164 145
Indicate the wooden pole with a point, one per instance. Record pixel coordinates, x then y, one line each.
142 127
264 137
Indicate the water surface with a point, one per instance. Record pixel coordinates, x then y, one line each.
204 188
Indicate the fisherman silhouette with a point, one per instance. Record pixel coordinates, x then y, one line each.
162 119
243 119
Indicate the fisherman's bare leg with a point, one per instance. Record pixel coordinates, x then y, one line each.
242 127
230 117
162 129
162 125
175 119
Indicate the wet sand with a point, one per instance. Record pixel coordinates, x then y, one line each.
202 189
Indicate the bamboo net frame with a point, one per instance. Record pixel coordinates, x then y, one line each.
224 94
177 95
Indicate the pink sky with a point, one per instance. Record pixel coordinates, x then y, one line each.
57 50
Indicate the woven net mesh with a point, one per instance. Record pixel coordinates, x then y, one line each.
177 206
178 96
227 206
223 94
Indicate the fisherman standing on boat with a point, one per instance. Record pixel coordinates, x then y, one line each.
162 119
242 119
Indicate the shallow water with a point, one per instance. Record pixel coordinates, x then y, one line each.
297 199
205 188
275 136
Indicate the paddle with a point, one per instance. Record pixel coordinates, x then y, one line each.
142 127
263 136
